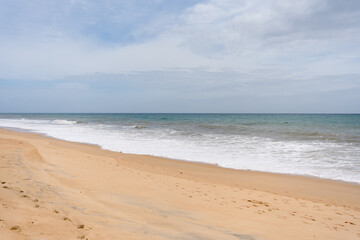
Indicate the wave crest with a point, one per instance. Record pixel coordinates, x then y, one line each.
63 122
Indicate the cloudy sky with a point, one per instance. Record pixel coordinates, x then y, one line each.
180 56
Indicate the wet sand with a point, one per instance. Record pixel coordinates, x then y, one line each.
53 189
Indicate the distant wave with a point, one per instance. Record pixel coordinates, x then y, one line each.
226 129
134 127
64 122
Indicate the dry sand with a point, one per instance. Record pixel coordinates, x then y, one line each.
53 189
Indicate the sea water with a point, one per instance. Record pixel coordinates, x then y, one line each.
320 145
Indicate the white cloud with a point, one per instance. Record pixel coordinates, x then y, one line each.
56 59
287 38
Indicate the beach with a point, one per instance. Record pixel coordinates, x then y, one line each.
54 189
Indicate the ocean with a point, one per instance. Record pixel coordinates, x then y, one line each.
319 145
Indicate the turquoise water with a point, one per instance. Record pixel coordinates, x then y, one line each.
322 145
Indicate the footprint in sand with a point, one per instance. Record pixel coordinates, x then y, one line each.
15 228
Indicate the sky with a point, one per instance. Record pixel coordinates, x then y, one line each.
215 56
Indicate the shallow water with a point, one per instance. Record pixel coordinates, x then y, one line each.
321 145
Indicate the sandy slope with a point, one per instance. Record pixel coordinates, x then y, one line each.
52 189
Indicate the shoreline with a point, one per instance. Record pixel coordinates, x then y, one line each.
92 193
21 130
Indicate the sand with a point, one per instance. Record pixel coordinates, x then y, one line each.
53 189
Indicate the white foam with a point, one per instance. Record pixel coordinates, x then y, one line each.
63 122
318 158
